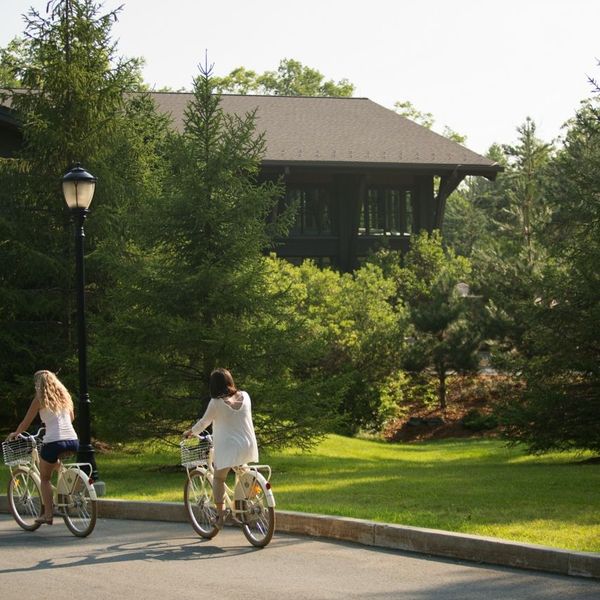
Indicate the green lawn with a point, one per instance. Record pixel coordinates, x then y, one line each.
473 486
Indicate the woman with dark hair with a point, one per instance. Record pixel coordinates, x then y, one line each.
230 414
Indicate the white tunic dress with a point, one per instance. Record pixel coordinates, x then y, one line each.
233 432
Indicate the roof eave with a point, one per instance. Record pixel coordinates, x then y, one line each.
488 171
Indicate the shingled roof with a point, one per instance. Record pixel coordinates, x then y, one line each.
354 132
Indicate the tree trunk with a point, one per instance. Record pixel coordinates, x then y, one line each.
442 387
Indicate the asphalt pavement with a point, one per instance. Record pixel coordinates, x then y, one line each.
149 559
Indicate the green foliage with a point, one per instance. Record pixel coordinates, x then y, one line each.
464 221
475 420
561 405
73 108
410 111
292 78
426 119
536 265
445 335
195 291
13 60
511 256
357 335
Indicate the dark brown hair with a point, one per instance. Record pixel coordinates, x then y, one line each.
221 384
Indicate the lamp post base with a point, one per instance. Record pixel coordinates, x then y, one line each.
100 488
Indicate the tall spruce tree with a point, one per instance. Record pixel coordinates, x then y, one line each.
509 260
199 292
73 108
560 408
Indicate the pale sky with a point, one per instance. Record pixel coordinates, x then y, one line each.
480 67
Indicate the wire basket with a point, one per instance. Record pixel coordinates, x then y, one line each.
195 452
18 451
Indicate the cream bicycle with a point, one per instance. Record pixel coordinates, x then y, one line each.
74 494
250 504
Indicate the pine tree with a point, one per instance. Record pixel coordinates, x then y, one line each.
196 284
73 108
560 408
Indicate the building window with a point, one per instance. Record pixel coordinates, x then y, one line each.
386 211
313 216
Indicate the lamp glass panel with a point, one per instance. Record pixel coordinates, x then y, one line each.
79 194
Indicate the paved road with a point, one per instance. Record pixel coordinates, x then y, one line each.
148 560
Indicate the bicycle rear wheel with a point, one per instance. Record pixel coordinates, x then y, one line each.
81 510
258 519
24 499
200 504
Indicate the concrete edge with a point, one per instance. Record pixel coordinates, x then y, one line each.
431 542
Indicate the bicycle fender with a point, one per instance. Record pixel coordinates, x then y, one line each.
69 481
247 480
205 472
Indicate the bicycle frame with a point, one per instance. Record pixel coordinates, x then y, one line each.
68 476
249 502
245 477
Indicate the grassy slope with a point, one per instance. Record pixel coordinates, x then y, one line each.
474 486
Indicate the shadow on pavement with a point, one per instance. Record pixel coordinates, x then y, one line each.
198 549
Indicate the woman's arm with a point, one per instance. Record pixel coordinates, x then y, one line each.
33 410
205 421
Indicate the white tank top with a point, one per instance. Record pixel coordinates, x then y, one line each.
58 426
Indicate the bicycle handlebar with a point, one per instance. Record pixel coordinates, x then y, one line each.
24 435
200 436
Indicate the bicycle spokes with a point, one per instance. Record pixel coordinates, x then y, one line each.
24 499
200 504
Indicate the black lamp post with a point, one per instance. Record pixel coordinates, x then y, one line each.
78 188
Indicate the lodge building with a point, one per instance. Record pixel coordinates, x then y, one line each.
358 172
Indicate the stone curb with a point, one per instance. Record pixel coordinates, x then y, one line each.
431 542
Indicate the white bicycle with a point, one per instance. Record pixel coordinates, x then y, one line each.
74 495
250 503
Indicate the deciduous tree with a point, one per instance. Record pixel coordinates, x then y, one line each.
292 78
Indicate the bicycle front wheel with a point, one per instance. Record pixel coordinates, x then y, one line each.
200 504
258 522
24 499
80 511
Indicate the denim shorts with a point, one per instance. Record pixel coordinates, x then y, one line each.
52 450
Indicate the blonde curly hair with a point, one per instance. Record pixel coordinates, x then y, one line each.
51 393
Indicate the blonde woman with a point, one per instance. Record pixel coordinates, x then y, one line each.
53 403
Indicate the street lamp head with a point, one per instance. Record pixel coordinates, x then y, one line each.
78 187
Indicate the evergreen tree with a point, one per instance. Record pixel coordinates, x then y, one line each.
433 283
199 292
560 408
472 209
509 260
73 108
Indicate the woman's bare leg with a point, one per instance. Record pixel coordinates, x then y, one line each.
219 492
46 470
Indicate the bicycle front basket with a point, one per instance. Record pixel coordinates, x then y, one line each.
17 452
195 452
